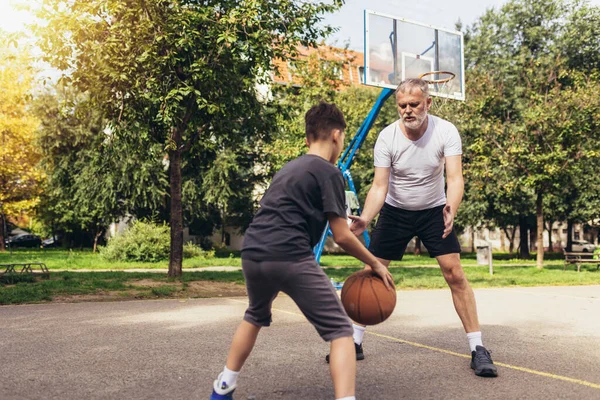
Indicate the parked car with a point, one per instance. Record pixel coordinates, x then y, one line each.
24 240
583 246
50 242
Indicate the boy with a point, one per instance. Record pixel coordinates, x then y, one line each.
277 253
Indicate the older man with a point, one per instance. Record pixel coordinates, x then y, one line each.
408 193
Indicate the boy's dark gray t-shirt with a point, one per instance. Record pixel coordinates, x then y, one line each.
292 212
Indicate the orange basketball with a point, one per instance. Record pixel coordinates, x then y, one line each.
366 299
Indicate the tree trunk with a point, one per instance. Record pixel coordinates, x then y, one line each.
539 212
569 235
473 240
176 214
550 244
222 227
96 237
2 228
417 246
511 238
524 238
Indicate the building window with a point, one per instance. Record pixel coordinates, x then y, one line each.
576 236
361 74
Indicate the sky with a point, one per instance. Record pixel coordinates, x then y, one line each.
439 13
349 19
12 19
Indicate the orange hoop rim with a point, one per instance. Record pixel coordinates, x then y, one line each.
433 81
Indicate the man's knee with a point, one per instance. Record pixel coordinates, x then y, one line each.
452 270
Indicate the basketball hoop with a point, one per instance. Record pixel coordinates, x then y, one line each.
440 85
447 79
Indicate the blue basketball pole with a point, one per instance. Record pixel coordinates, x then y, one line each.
348 157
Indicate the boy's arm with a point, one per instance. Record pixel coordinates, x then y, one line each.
350 243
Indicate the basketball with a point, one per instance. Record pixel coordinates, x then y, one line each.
366 299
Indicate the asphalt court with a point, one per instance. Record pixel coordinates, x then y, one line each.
545 341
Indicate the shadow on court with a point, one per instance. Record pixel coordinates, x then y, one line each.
545 341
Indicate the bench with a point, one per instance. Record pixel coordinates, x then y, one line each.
579 258
25 267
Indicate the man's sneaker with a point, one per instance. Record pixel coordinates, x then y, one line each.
482 363
359 353
228 390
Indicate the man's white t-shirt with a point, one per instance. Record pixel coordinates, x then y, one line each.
417 167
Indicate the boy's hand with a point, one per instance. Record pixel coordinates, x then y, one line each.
359 224
383 272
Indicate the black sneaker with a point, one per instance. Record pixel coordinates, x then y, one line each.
359 353
482 363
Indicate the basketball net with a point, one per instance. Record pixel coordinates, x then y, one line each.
438 82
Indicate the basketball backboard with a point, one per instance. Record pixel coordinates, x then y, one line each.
397 49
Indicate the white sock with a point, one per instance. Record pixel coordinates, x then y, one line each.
347 398
226 381
474 340
359 332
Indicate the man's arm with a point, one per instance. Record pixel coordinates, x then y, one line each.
374 201
454 195
456 183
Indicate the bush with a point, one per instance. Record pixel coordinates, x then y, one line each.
143 241
190 250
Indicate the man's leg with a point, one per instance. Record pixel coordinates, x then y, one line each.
359 329
462 294
466 308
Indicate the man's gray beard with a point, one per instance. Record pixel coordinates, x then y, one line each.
416 124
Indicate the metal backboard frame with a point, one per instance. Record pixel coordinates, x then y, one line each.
390 42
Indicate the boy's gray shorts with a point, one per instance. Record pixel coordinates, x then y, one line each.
306 283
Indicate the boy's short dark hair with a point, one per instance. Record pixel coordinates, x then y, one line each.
321 120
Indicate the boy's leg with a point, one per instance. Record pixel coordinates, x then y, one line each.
241 345
342 367
314 295
261 293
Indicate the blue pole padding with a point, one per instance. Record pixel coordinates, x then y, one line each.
348 157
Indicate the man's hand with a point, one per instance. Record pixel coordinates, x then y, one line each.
384 273
448 221
359 224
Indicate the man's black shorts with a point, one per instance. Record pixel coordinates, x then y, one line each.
396 227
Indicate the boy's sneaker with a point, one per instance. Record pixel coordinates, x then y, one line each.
217 396
359 353
482 363
227 390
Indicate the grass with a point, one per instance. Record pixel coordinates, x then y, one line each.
414 272
147 285
86 260
27 288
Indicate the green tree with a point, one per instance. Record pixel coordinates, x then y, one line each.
539 125
19 176
89 172
183 71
